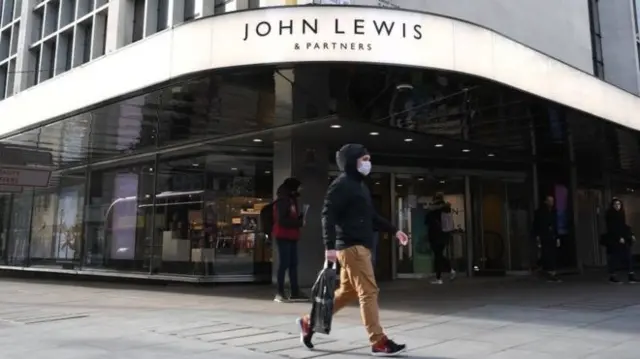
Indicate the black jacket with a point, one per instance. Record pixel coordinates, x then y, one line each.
433 220
545 224
348 215
617 226
286 198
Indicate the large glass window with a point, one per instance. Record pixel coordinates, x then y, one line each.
20 225
118 226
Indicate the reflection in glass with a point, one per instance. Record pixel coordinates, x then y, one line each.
43 225
125 127
67 141
5 215
20 225
117 225
69 219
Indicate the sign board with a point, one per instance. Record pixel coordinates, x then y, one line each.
21 155
10 189
24 176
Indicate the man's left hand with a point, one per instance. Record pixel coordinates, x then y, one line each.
402 238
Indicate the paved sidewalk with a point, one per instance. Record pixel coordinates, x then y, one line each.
483 319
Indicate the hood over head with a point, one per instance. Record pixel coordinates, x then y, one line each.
613 201
347 158
289 187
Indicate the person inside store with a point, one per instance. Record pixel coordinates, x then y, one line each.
619 240
545 232
348 218
439 221
288 220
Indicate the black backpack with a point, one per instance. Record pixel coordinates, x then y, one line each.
266 219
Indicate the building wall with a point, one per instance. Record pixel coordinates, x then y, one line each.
559 28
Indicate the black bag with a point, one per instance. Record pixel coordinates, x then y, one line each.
266 219
322 295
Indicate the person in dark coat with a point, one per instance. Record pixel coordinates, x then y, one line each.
288 221
545 231
619 242
438 239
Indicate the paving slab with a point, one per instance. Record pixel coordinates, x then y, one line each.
523 320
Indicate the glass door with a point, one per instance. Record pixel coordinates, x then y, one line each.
413 193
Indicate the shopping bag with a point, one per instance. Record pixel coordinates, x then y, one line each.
323 295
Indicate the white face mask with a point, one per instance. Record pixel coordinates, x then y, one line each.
364 168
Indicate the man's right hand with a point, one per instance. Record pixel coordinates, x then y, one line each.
330 255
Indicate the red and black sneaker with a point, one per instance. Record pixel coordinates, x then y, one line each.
305 332
387 348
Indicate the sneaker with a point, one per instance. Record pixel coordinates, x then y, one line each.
613 279
387 348
632 279
306 334
452 275
299 298
280 298
437 281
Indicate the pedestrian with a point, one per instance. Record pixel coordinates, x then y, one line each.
439 234
545 231
287 222
348 219
619 242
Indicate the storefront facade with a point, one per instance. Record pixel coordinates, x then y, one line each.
161 167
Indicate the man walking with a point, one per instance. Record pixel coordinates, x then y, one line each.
545 230
288 220
348 220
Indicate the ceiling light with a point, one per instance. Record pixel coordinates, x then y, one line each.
399 185
439 145
257 140
374 133
195 164
234 169
491 155
466 150
421 179
377 182
336 126
267 172
443 182
408 140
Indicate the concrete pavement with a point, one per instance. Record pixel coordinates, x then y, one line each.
491 319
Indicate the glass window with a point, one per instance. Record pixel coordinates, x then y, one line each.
118 232
163 15
228 103
45 204
124 127
67 141
20 229
5 215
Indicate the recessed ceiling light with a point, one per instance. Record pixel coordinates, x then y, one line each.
439 145
374 133
491 155
267 172
399 185
234 169
257 140
421 179
377 182
336 126
195 164
408 140
466 150
443 182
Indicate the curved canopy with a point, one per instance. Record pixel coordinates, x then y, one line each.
319 34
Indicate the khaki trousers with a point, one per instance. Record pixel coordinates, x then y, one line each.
358 282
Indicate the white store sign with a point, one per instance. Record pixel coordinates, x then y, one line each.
16 176
299 34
